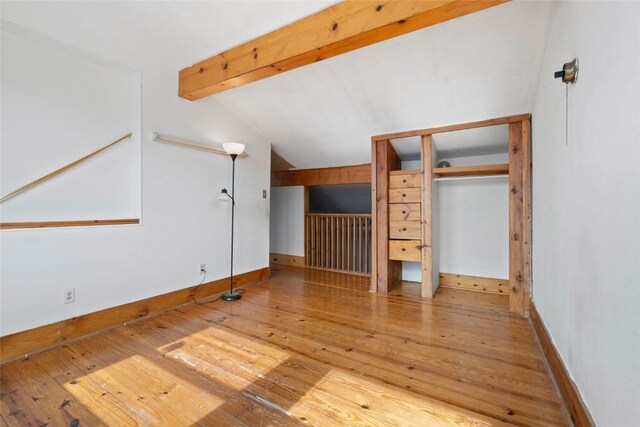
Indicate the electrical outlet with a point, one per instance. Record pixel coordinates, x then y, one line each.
70 296
203 268
264 194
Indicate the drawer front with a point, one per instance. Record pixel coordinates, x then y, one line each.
405 230
410 180
404 250
405 212
404 195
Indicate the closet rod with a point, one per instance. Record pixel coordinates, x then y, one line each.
461 178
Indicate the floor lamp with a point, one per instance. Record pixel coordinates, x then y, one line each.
233 149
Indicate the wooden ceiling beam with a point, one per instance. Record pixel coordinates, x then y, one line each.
341 28
358 174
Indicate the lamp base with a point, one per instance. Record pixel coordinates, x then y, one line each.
231 296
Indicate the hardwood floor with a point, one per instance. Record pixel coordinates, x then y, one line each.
306 347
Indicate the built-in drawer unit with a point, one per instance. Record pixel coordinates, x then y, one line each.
412 179
404 195
405 230
404 250
405 212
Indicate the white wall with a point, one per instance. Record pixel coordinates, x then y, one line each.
79 105
182 224
287 220
586 204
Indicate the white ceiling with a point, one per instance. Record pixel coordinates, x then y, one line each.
472 142
461 143
162 35
477 67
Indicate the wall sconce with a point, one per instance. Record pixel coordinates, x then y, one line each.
569 72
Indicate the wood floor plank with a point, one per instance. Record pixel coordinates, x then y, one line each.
307 347
61 365
304 374
187 356
149 388
456 389
30 396
439 358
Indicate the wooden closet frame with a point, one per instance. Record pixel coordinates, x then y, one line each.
385 273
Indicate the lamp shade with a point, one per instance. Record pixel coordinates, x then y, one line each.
233 148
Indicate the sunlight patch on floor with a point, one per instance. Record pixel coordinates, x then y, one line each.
230 359
383 404
130 380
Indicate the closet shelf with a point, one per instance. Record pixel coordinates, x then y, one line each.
404 171
472 170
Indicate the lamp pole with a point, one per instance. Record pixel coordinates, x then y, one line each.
231 295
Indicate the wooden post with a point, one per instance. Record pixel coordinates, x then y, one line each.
526 194
516 220
307 228
366 245
384 273
342 265
427 240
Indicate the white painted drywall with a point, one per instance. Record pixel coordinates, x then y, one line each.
54 115
287 220
586 204
471 224
182 226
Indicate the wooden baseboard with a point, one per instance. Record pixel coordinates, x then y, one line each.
474 283
570 395
282 259
20 344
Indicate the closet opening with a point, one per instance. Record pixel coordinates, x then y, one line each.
471 195
451 208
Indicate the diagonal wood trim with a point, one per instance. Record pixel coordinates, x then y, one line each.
357 174
63 169
452 128
41 338
52 224
577 409
475 283
341 28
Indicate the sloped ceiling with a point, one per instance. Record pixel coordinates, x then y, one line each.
476 67
480 66
165 36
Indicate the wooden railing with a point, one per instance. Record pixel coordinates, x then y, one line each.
340 242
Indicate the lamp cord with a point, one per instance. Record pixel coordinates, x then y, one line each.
566 116
199 285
